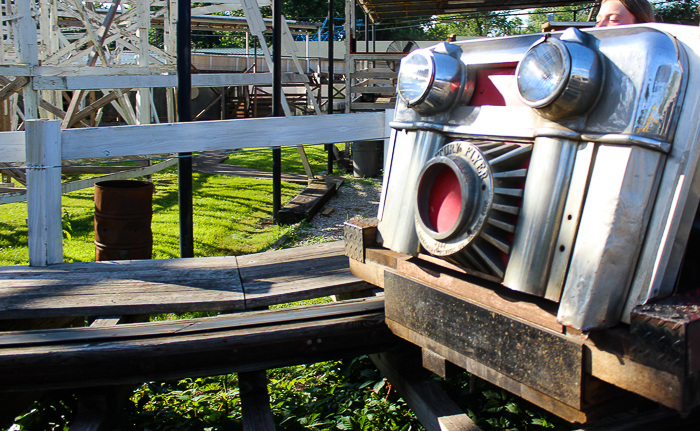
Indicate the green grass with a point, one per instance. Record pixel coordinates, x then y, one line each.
260 159
231 217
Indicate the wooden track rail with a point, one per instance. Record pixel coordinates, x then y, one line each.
134 353
110 355
106 353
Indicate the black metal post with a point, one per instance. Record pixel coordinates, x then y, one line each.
331 31
184 89
276 103
366 33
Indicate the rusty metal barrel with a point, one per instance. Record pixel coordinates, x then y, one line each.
123 213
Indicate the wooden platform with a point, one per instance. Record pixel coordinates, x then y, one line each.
175 285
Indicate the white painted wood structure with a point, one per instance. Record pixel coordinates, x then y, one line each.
370 77
65 45
44 145
53 51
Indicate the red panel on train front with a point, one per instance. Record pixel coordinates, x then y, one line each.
496 86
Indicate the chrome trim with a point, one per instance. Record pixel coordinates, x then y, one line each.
678 195
465 131
540 216
410 151
617 139
468 158
545 132
584 77
449 82
617 209
646 76
551 132
570 220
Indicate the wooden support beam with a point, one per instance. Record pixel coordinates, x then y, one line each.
255 401
43 143
92 59
94 107
12 87
433 408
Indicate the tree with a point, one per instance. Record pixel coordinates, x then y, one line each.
485 24
677 12
562 13
311 10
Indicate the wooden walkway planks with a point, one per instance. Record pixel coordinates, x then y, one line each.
176 285
121 287
295 274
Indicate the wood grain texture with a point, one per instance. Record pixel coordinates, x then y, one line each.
532 309
255 401
433 408
12 147
43 147
61 363
489 374
297 273
225 134
150 80
176 285
121 287
540 358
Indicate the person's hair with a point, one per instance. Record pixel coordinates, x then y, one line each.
640 9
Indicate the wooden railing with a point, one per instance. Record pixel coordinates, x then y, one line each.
43 147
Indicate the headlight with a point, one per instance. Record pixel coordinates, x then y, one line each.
431 82
415 77
560 77
543 73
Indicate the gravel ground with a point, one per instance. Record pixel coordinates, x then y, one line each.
355 198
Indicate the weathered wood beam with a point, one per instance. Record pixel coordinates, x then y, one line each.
433 408
243 342
13 87
19 175
43 147
221 134
148 79
94 107
255 401
92 59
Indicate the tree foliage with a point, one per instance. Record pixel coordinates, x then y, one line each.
487 24
312 10
678 12
562 14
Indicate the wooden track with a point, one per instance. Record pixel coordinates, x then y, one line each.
134 353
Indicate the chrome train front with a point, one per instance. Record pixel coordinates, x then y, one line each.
561 166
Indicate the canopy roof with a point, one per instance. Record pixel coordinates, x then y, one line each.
379 10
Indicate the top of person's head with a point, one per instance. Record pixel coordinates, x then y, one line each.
620 12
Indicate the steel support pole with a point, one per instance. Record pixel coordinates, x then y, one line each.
366 33
331 30
184 89
276 103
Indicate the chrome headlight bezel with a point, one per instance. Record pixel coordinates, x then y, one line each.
408 78
582 74
534 56
442 83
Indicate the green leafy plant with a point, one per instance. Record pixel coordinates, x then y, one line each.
66 226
